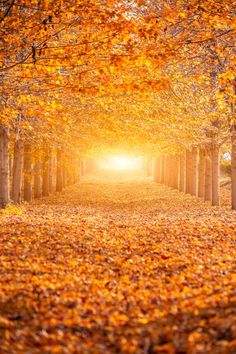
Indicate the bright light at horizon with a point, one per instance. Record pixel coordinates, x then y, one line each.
121 163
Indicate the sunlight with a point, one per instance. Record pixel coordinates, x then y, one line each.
121 163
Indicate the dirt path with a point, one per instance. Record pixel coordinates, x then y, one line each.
118 267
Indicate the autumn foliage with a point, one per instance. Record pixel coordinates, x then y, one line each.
135 268
95 76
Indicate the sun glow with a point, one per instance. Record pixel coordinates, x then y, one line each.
121 163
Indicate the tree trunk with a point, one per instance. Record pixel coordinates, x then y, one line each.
77 170
201 174
51 172
208 179
89 167
64 174
215 175
163 169
59 184
176 172
4 167
182 173
233 169
27 172
167 170
37 179
188 172
71 170
45 186
17 170
194 172
156 170
10 167
173 171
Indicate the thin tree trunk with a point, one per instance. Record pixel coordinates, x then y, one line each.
59 183
188 172
45 186
71 172
64 174
156 170
201 174
182 172
27 172
176 171
37 179
17 170
215 175
169 168
194 172
78 170
191 172
4 167
10 167
163 169
172 171
167 165
208 179
51 172
89 167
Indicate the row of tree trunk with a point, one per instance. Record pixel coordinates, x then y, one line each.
195 172
27 173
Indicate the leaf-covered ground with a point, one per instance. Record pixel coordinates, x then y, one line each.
118 267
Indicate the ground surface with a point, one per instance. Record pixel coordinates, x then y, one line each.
118 267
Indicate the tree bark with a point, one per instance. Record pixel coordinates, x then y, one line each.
156 170
4 167
188 172
194 172
208 179
233 169
78 170
201 174
51 172
45 186
64 174
10 167
170 171
17 170
37 179
27 172
215 175
176 172
167 170
182 173
59 184
173 171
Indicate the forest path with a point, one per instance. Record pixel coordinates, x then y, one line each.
118 267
